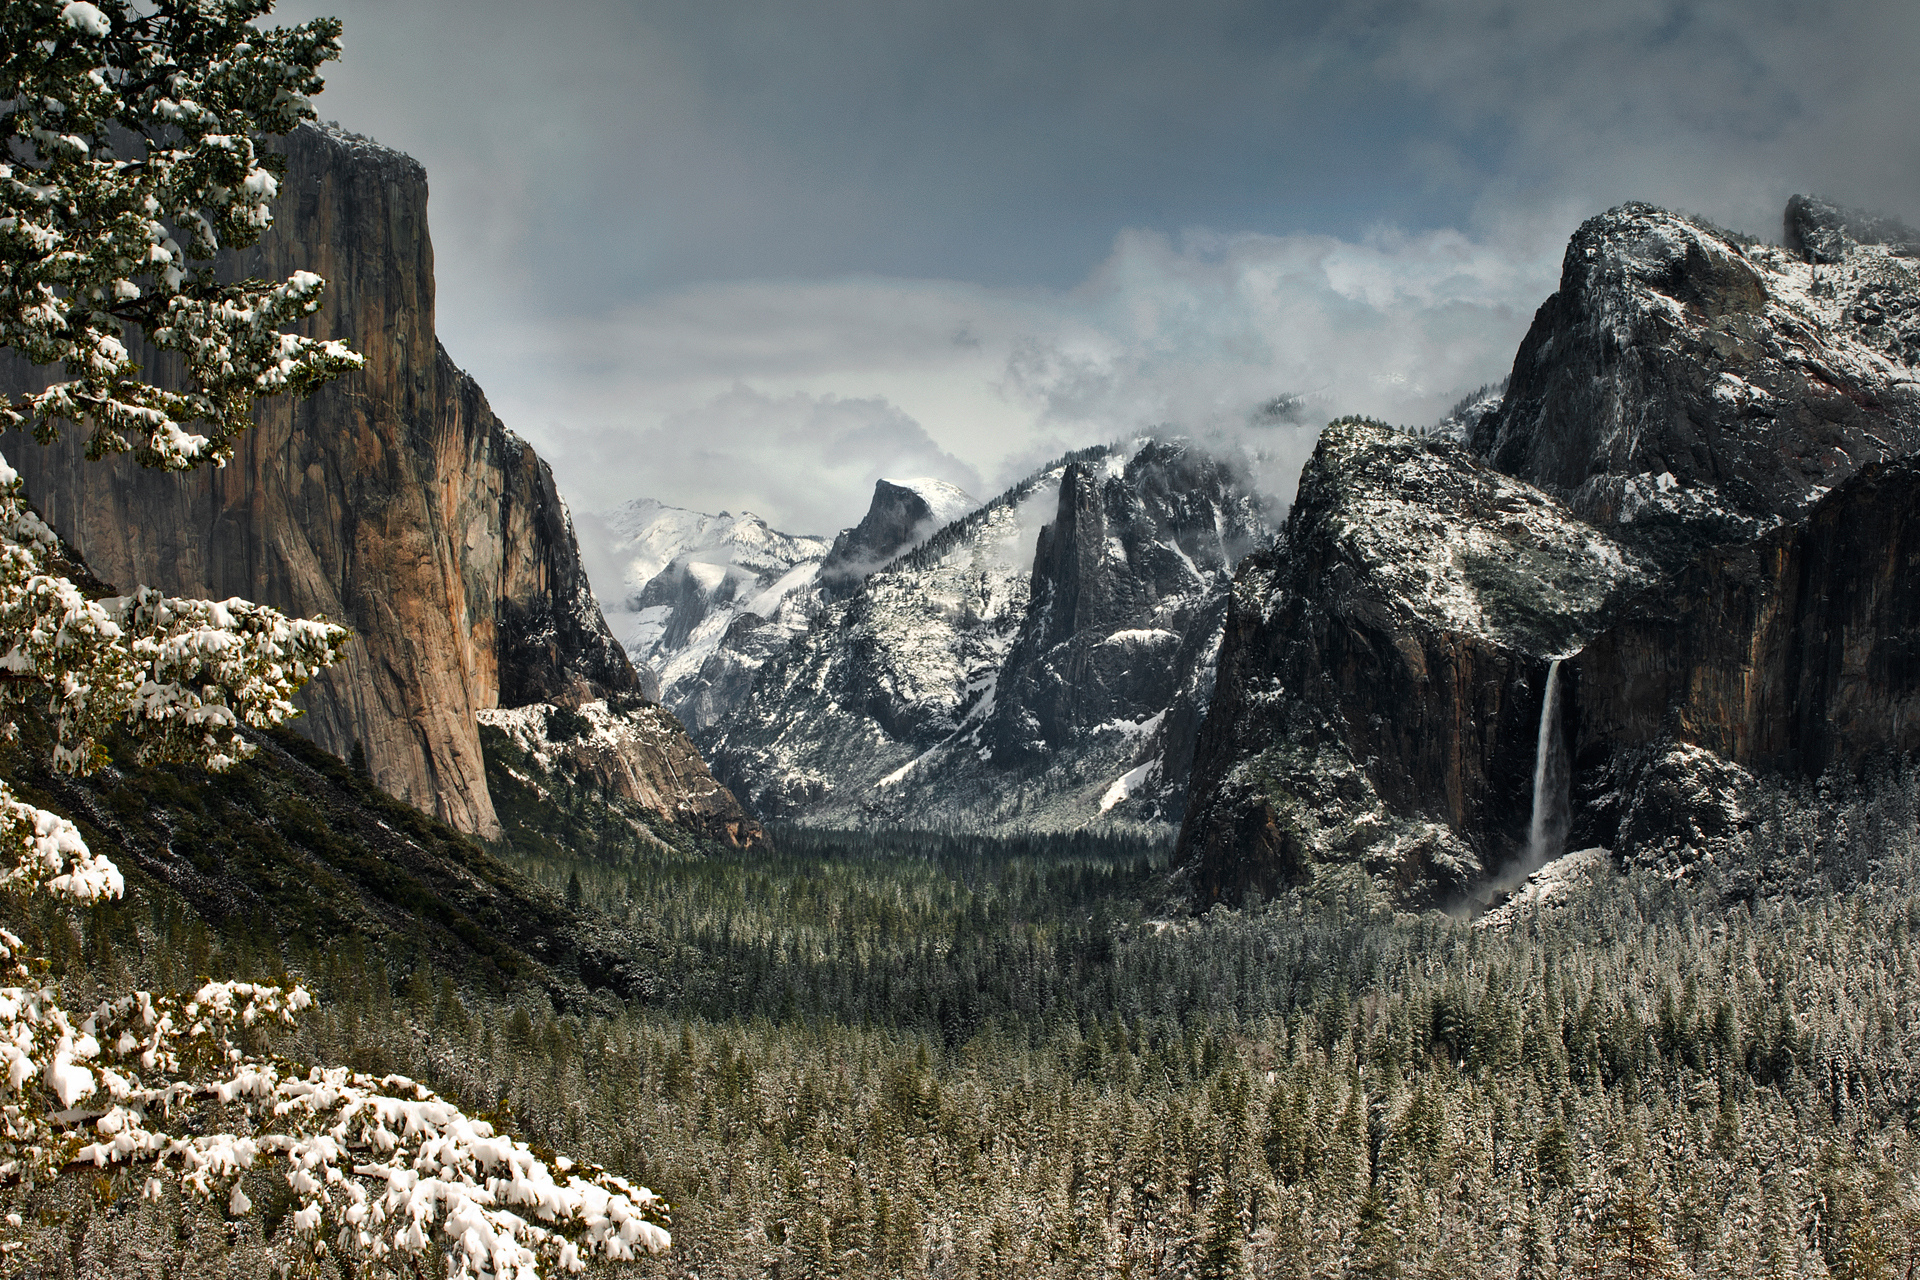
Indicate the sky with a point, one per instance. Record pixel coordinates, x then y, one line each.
738 254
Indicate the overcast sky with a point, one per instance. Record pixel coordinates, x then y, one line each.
755 255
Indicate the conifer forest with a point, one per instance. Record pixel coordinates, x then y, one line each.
921 1055
1266 841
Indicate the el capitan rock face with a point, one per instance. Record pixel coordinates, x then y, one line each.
392 500
1698 487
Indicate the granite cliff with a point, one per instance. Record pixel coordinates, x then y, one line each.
392 500
1383 667
1697 491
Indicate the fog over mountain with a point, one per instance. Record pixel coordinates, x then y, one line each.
674 239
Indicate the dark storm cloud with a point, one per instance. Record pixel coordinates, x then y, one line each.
634 146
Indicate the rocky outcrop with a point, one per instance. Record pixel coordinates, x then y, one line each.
1126 604
1381 678
636 755
1704 387
900 517
890 672
392 500
1041 663
1824 232
1697 488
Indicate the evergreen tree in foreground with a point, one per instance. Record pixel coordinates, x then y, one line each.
130 162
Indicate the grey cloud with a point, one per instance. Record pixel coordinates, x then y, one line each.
805 464
1721 107
1199 338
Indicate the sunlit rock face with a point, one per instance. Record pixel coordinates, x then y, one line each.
392 500
1697 485
1039 663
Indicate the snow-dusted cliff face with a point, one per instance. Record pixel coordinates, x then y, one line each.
902 515
636 755
1041 662
1697 489
1706 388
1379 689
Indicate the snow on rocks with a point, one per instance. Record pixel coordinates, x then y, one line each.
1008 670
1127 784
923 638
948 502
1459 545
1755 376
1548 888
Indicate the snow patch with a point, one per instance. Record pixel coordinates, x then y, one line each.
1128 784
1132 728
948 502
1144 636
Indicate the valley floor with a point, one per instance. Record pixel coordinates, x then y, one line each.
947 1056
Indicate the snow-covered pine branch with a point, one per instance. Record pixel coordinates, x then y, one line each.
381 1168
182 675
129 162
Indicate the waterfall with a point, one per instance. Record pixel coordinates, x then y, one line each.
1547 834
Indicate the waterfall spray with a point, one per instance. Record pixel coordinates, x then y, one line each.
1547 833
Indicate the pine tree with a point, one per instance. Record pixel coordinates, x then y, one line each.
1628 1239
128 124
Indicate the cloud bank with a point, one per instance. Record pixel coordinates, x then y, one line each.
789 400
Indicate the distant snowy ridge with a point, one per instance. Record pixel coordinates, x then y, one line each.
705 601
688 578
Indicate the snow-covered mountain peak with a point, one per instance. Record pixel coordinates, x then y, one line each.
692 583
902 516
947 502
1041 662
649 535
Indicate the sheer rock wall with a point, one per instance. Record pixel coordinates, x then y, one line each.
392 500
1699 488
